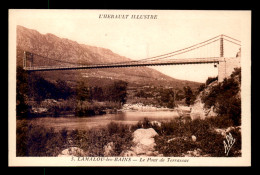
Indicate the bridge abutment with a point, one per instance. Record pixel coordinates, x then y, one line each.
226 67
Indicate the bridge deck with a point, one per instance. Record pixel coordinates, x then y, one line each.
127 64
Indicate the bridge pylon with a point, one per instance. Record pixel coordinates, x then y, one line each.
221 46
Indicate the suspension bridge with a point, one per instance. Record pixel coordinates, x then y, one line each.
206 52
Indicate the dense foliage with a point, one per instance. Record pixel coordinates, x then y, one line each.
210 80
174 137
225 98
39 141
81 100
189 95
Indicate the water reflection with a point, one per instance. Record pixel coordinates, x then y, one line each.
128 117
137 116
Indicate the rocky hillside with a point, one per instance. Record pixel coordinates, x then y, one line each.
51 46
220 99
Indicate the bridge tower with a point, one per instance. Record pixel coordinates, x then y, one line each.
221 46
27 58
24 59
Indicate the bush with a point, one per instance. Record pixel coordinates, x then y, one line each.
207 140
94 140
174 148
224 97
189 96
38 141
236 148
220 121
210 80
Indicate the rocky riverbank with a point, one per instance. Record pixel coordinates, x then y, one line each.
142 107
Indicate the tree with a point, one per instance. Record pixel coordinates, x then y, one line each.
167 98
97 93
83 92
189 97
22 107
118 91
179 95
225 97
63 90
211 79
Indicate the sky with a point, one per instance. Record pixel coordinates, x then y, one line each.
139 38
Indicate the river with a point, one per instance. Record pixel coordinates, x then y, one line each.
82 123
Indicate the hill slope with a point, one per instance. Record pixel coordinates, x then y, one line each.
51 46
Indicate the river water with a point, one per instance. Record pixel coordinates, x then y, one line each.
126 117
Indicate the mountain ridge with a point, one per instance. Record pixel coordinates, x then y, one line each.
52 46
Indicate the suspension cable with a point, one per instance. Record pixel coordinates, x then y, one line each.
231 41
54 59
163 56
187 50
231 38
180 49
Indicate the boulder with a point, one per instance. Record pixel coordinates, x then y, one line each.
144 142
143 135
72 151
109 149
197 110
193 138
156 123
224 131
194 153
128 153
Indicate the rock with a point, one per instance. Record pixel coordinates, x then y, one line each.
197 111
72 151
128 154
194 153
144 144
178 139
141 134
211 112
171 140
144 141
193 138
224 132
221 131
109 149
156 123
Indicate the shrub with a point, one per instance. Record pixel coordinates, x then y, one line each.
225 98
207 140
220 121
119 134
210 80
189 96
174 148
236 148
38 141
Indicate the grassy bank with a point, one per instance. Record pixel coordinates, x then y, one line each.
35 140
174 139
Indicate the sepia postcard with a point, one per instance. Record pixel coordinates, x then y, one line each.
129 88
